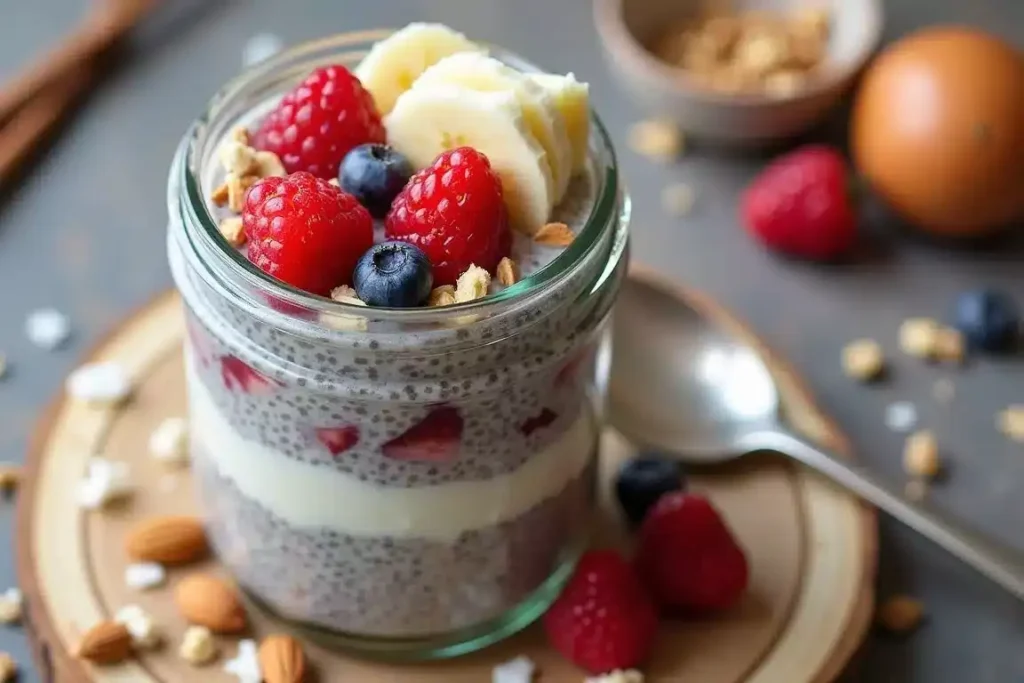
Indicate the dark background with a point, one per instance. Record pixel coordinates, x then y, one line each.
85 233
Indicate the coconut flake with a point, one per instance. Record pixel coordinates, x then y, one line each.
105 481
47 328
246 664
144 575
901 416
518 670
105 382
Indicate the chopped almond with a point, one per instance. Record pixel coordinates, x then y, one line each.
233 231
442 296
554 235
506 272
472 285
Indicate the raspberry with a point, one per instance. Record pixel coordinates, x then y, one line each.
453 210
688 558
305 231
799 205
316 124
603 620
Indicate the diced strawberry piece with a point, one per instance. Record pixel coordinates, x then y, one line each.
237 376
436 438
337 440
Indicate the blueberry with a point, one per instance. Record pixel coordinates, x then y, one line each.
989 320
374 174
645 479
393 274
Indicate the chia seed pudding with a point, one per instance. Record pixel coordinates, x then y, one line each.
409 483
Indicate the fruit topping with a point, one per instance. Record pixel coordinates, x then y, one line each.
687 556
643 480
337 440
481 73
543 419
305 231
374 174
453 211
428 120
393 64
236 375
316 124
394 274
799 205
988 319
436 438
572 99
603 620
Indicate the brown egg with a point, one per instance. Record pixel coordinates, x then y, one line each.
938 130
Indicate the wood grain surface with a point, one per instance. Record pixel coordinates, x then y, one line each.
812 547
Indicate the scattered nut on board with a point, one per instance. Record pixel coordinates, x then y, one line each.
1011 422
105 481
618 676
520 669
210 601
900 614
143 576
949 345
657 139
918 337
198 646
168 540
677 199
10 606
921 455
8 668
281 659
863 360
10 477
107 642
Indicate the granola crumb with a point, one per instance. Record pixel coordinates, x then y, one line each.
10 477
863 360
506 272
233 231
198 646
268 165
442 296
472 284
921 455
900 614
944 391
237 187
220 195
657 139
919 337
554 235
346 295
8 668
240 134
677 199
237 159
916 490
949 345
1011 422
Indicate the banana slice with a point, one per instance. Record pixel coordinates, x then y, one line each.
573 99
477 71
428 121
393 64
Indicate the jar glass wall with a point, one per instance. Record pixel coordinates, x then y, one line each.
408 483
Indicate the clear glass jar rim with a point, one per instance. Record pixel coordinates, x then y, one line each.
604 210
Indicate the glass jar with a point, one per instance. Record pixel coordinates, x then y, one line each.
407 483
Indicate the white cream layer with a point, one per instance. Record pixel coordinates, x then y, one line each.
308 496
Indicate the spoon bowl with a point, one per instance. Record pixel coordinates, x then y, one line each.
686 385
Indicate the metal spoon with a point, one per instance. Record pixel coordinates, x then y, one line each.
681 384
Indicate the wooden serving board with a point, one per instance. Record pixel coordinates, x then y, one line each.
812 548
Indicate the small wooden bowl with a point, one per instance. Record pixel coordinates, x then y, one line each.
628 27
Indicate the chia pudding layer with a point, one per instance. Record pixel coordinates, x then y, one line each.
394 475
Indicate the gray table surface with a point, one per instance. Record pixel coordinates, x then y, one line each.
85 233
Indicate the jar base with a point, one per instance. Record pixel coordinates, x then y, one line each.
443 645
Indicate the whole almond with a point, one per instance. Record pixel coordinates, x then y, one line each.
210 601
175 539
108 642
282 660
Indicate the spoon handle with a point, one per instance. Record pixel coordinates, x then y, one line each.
997 563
